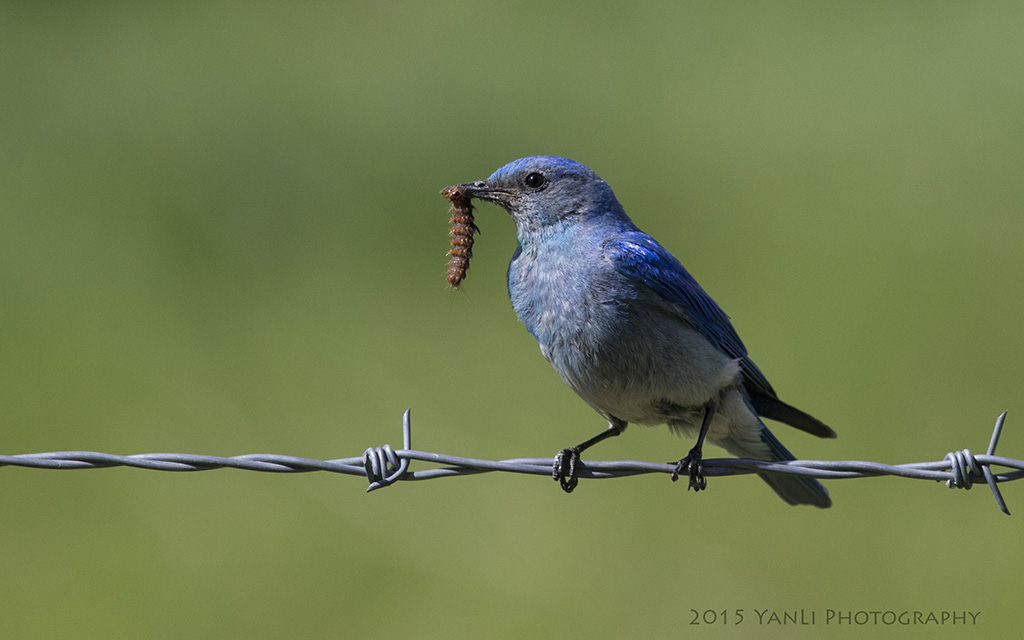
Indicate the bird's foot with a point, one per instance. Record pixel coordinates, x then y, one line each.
693 465
564 469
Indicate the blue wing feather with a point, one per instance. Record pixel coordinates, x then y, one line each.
640 257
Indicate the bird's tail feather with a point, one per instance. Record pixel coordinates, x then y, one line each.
792 489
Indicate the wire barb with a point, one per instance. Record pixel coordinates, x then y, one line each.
383 466
965 468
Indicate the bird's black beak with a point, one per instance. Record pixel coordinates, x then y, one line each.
481 190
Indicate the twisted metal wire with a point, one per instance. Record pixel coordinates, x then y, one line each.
383 466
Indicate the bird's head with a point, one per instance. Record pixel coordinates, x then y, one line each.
546 192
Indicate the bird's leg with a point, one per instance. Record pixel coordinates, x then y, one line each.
564 469
693 462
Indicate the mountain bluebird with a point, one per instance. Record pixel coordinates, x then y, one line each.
629 329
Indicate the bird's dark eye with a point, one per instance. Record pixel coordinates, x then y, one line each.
534 180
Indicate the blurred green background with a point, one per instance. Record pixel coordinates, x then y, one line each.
222 234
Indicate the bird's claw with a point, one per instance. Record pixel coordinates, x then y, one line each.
693 465
564 469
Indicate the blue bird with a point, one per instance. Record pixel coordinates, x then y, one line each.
629 329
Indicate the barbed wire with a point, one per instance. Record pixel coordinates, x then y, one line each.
384 466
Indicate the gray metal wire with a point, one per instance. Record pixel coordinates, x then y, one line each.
383 466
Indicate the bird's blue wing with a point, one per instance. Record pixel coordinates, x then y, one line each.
640 257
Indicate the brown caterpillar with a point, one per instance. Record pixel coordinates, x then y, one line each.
462 232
